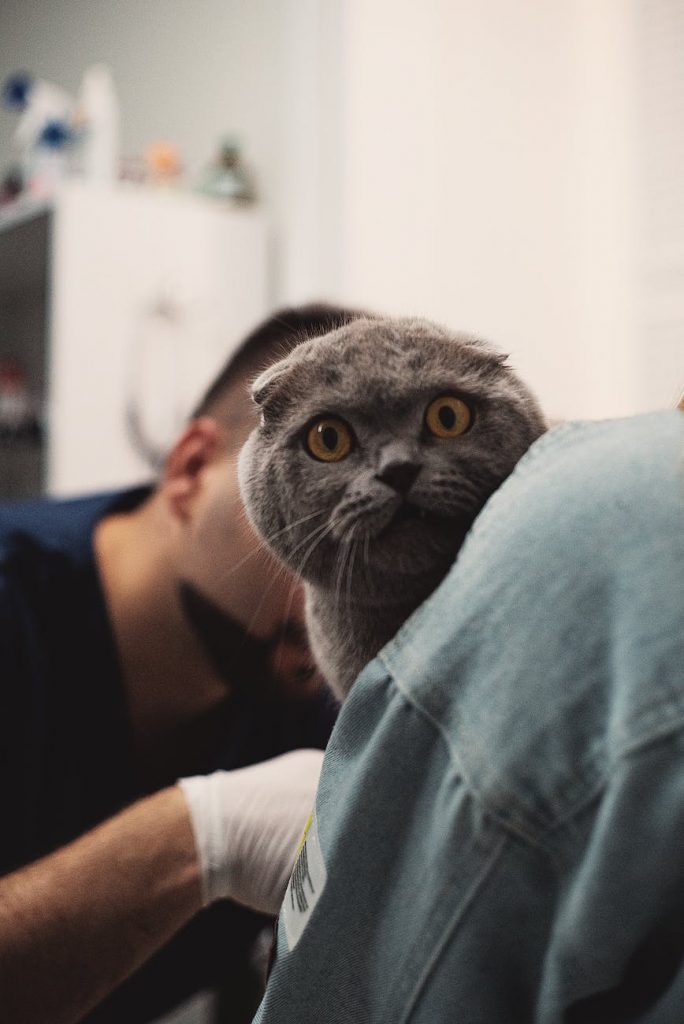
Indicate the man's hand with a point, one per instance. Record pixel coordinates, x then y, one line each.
247 824
75 924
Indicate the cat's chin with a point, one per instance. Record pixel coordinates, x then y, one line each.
413 550
414 517
414 554
419 537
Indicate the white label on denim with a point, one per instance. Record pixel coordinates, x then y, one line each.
305 886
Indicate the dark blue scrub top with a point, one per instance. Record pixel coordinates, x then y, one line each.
65 745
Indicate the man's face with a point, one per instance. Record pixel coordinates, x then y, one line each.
291 662
279 664
231 583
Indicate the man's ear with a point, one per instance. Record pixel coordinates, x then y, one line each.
198 446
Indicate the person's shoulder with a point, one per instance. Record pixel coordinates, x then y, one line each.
554 646
44 538
59 524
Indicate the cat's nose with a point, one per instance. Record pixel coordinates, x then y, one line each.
399 475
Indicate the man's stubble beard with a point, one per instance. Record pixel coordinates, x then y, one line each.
249 666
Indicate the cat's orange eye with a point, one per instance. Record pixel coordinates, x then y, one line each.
447 416
329 439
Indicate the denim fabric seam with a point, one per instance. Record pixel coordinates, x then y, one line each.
627 752
451 926
657 722
517 824
663 732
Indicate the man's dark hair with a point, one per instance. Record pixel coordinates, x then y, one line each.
272 340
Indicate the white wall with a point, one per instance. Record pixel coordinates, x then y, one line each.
488 181
477 161
660 314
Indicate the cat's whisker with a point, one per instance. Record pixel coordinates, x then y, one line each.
345 549
288 608
258 549
350 575
366 550
319 533
278 574
283 571
341 558
324 527
292 526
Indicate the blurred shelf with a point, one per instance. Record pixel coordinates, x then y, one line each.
80 280
22 468
24 250
22 211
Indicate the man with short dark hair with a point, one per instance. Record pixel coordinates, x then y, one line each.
146 636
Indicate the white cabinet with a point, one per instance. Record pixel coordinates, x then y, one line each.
147 292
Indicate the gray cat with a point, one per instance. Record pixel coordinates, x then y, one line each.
378 445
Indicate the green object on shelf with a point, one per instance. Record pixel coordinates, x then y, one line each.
227 177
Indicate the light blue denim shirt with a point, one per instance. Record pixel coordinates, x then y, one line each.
499 827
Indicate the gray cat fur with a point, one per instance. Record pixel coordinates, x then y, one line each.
335 523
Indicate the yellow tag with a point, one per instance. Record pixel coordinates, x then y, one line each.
306 885
303 839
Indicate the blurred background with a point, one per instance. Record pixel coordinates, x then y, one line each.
174 169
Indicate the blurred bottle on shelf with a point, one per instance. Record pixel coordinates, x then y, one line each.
227 178
97 127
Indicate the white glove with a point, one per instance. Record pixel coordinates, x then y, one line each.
247 824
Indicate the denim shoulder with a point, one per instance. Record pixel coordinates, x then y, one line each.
555 649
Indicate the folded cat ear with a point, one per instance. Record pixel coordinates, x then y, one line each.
485 348
267 389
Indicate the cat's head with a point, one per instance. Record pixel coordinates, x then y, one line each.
378 445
